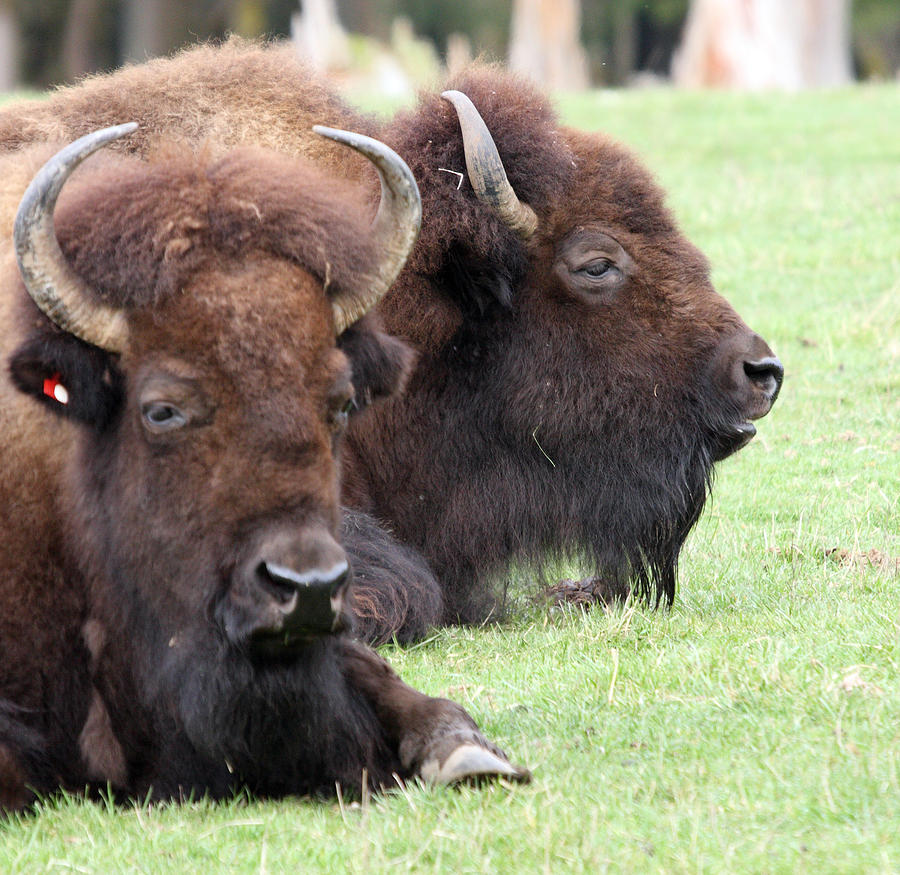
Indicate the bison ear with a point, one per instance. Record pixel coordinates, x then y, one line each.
380 363
478 284
72 378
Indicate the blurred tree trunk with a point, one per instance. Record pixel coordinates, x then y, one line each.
827 39
79 46
246 17
459 52
364 16
545 43
10 47
755 44
624 41
318 36
154 27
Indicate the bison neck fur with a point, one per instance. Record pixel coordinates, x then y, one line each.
485 484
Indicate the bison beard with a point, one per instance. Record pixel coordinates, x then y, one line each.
531 502
228 721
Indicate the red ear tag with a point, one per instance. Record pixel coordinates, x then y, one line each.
55 390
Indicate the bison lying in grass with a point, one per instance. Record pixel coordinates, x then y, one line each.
577 376
173 595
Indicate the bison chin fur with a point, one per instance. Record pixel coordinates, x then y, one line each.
276 728
618 502
624 527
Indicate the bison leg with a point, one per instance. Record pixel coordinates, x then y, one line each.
394 593
24 766
435 738
14 796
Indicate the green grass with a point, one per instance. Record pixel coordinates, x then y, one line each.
18 95
756 726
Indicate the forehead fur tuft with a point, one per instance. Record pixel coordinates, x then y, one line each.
137 231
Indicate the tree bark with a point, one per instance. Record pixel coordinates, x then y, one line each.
10 47
624 47
757 44
78 50
317 33
154 27
826 50
545 43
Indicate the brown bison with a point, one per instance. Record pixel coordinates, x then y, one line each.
173 595
577 376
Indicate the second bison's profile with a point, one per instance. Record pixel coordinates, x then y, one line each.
173 592
577 375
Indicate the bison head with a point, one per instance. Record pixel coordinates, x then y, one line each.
579 370
191 348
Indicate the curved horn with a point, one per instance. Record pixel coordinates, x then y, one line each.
57 290
394 229
486 171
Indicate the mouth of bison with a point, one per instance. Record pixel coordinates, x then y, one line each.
290 639
735 438
283 645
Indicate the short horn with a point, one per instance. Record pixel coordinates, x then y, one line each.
486 173
394 230
49 278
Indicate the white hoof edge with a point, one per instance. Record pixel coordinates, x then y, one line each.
468 761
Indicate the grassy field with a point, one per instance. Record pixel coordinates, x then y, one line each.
756 726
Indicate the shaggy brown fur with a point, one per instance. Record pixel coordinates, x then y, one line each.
551 412
141 635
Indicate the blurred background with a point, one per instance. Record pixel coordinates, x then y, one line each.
397 45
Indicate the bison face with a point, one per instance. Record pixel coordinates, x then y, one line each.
206 486
640 376
660 328
230 451
194 310
183 318
642 293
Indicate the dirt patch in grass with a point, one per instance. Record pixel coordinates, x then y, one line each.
587 592
858 559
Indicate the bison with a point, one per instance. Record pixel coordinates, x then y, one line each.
173 593
577 376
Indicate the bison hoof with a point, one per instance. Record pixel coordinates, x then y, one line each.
587 592
472 763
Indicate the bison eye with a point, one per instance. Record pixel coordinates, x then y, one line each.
593 266
159 416
340 415
601 268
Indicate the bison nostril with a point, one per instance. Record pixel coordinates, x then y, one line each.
277 584
285 583
767 373
308 603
